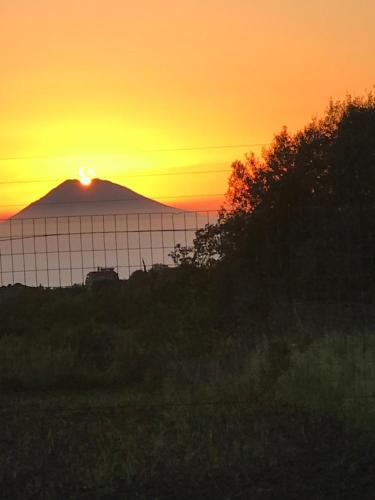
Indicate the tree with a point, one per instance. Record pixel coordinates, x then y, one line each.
299 220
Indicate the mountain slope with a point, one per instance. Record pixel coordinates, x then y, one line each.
71 198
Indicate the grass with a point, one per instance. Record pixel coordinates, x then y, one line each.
290 418
124 398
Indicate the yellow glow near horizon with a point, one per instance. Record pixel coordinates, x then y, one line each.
125 85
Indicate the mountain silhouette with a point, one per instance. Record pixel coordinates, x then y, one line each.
71 198
58 239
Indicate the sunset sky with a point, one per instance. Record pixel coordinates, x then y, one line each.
137 89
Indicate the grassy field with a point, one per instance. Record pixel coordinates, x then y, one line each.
278 420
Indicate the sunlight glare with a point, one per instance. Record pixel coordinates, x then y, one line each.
86 179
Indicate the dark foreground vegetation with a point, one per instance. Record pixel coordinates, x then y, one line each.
248 371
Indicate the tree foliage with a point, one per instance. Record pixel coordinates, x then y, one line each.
298 221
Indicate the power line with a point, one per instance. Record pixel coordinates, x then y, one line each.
97 232
120 200
177 212
159 174
140 151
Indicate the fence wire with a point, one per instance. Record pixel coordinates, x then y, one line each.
61 251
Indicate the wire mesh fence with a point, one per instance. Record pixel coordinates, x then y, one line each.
61 251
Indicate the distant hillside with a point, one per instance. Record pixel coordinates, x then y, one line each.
71 198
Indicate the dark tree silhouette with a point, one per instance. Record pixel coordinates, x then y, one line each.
298 222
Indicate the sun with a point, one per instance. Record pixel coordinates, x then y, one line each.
86 178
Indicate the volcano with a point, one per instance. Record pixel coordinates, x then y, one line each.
74 229
101 197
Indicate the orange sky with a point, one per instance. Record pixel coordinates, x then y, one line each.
113 84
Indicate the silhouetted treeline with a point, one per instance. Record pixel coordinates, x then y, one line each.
299 222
